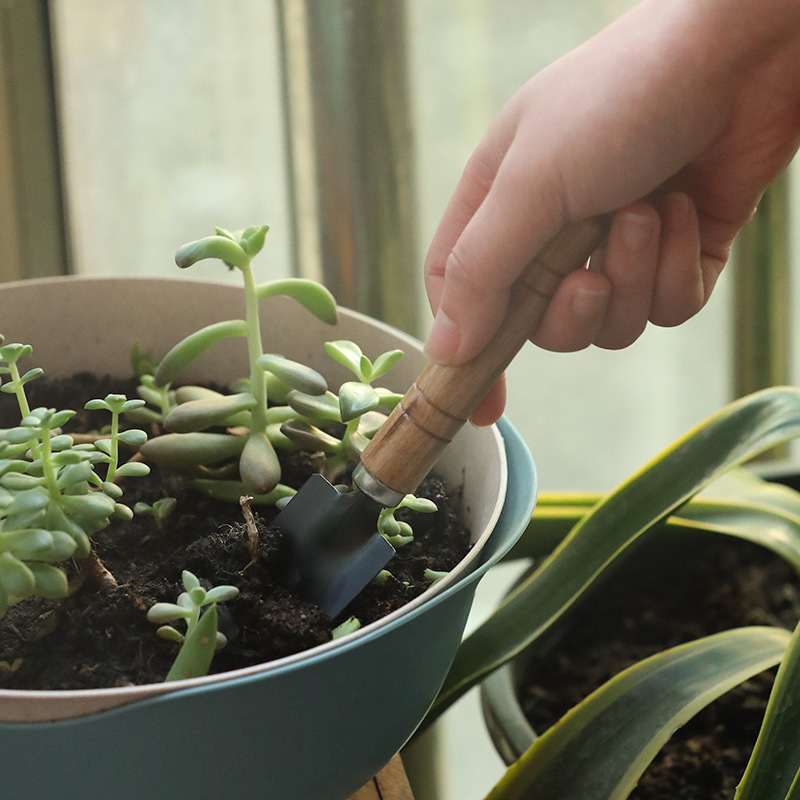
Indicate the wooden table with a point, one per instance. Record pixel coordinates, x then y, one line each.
389 784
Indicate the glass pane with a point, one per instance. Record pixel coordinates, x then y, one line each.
171 126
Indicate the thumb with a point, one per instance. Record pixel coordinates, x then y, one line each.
498 241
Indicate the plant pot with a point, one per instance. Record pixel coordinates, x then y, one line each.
746 585
315 725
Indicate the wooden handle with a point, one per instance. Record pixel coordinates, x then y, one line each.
443 398
390 783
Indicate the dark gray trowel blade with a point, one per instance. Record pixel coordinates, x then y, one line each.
331 547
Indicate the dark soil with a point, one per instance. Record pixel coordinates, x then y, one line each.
665 601
100 637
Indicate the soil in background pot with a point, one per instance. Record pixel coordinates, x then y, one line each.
726 583
99 636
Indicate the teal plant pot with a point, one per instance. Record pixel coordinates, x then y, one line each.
318 728
315 726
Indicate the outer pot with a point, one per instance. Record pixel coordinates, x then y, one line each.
508 727
316 725
505 721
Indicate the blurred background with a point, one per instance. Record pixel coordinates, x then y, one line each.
130 126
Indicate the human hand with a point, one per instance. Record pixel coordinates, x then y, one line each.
675 118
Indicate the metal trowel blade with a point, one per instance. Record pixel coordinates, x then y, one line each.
331 547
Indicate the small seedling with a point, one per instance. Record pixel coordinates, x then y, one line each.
117 404
399 533
160 401
350 625
202 639
160 511
354 407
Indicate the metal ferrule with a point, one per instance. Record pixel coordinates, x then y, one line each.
375 489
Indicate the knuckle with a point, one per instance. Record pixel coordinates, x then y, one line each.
461 271
480 172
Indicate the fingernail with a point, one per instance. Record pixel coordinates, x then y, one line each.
586 303
637 229
443 340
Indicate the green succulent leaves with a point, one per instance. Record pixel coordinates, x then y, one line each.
356 399
251 424
349 355
193 346
197 415
294 374
221 247
311 295
53 493
320 417
317 410
397 532
201 638
192 449
259 468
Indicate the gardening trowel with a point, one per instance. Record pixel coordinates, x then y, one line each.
331 544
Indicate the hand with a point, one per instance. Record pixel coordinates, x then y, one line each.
676 118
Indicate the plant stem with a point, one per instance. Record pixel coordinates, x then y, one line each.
164 403
258 379
350 428
192 619
112 467
22 402
45 452
99 573
19 389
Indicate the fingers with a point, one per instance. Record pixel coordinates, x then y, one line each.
576 313
608 305
651 268
679 291
630 263
491 408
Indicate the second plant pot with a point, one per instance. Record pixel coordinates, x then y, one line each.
623 643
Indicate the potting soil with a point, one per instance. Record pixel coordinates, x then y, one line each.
99 636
